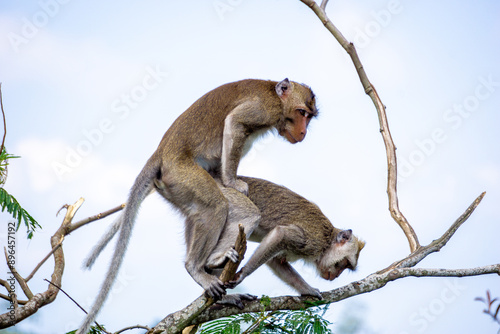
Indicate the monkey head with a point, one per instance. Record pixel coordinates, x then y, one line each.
343 253
299 107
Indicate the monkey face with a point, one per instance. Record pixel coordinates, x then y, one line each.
342 254
336 269
299 107
296 125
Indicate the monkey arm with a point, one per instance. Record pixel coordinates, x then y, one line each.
290 276
278 240
247 118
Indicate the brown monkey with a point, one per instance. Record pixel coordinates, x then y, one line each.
290 228
208 140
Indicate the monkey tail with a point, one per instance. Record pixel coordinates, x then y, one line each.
105 239
141 188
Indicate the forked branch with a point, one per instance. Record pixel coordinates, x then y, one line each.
400 269
390 148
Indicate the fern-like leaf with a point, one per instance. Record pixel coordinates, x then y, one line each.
13 207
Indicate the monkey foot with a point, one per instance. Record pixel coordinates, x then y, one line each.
216 289
236 299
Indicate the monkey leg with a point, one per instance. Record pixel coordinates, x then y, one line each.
290 276
241 211
191 189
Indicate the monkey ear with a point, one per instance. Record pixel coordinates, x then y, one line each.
344 236
283 88
361 244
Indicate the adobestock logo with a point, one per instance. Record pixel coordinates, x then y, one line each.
224 6
381 19
454 118
421 319
121 107
30 27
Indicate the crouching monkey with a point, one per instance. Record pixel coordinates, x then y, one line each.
290 228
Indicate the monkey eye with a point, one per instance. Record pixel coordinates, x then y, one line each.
304 113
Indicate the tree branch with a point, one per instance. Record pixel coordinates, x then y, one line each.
390 148
176 322
101 215
39 300
397 270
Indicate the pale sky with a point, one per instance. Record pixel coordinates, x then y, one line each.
89 88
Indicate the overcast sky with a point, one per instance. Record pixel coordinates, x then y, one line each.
90 87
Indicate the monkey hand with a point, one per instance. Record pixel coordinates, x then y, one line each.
239 185
232 254
238 277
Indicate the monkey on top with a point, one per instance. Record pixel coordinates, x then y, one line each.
208 140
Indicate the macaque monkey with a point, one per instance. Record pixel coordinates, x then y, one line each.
208 140
290 228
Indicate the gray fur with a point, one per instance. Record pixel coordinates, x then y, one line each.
141 188
103 242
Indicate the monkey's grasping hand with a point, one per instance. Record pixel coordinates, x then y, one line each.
237 279
239 185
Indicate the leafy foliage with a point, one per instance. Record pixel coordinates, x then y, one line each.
309 321
10 203
13 207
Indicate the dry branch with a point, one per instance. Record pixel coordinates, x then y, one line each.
176 322
401 269
40 299
390 148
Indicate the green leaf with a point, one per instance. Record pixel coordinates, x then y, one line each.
13 207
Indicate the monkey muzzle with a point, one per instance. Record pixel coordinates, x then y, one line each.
331 275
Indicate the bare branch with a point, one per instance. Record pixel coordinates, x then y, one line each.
16 301
101 215
39 300
323 4
390 148
18 277
368 284
132 327
30 276
74 301
417 256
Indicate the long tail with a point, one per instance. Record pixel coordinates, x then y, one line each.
105 239
141 188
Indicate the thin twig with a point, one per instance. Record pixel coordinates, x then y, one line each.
74 301
15 300
132 327
30 276
323 4
18 277
98 216
396 213
417 256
